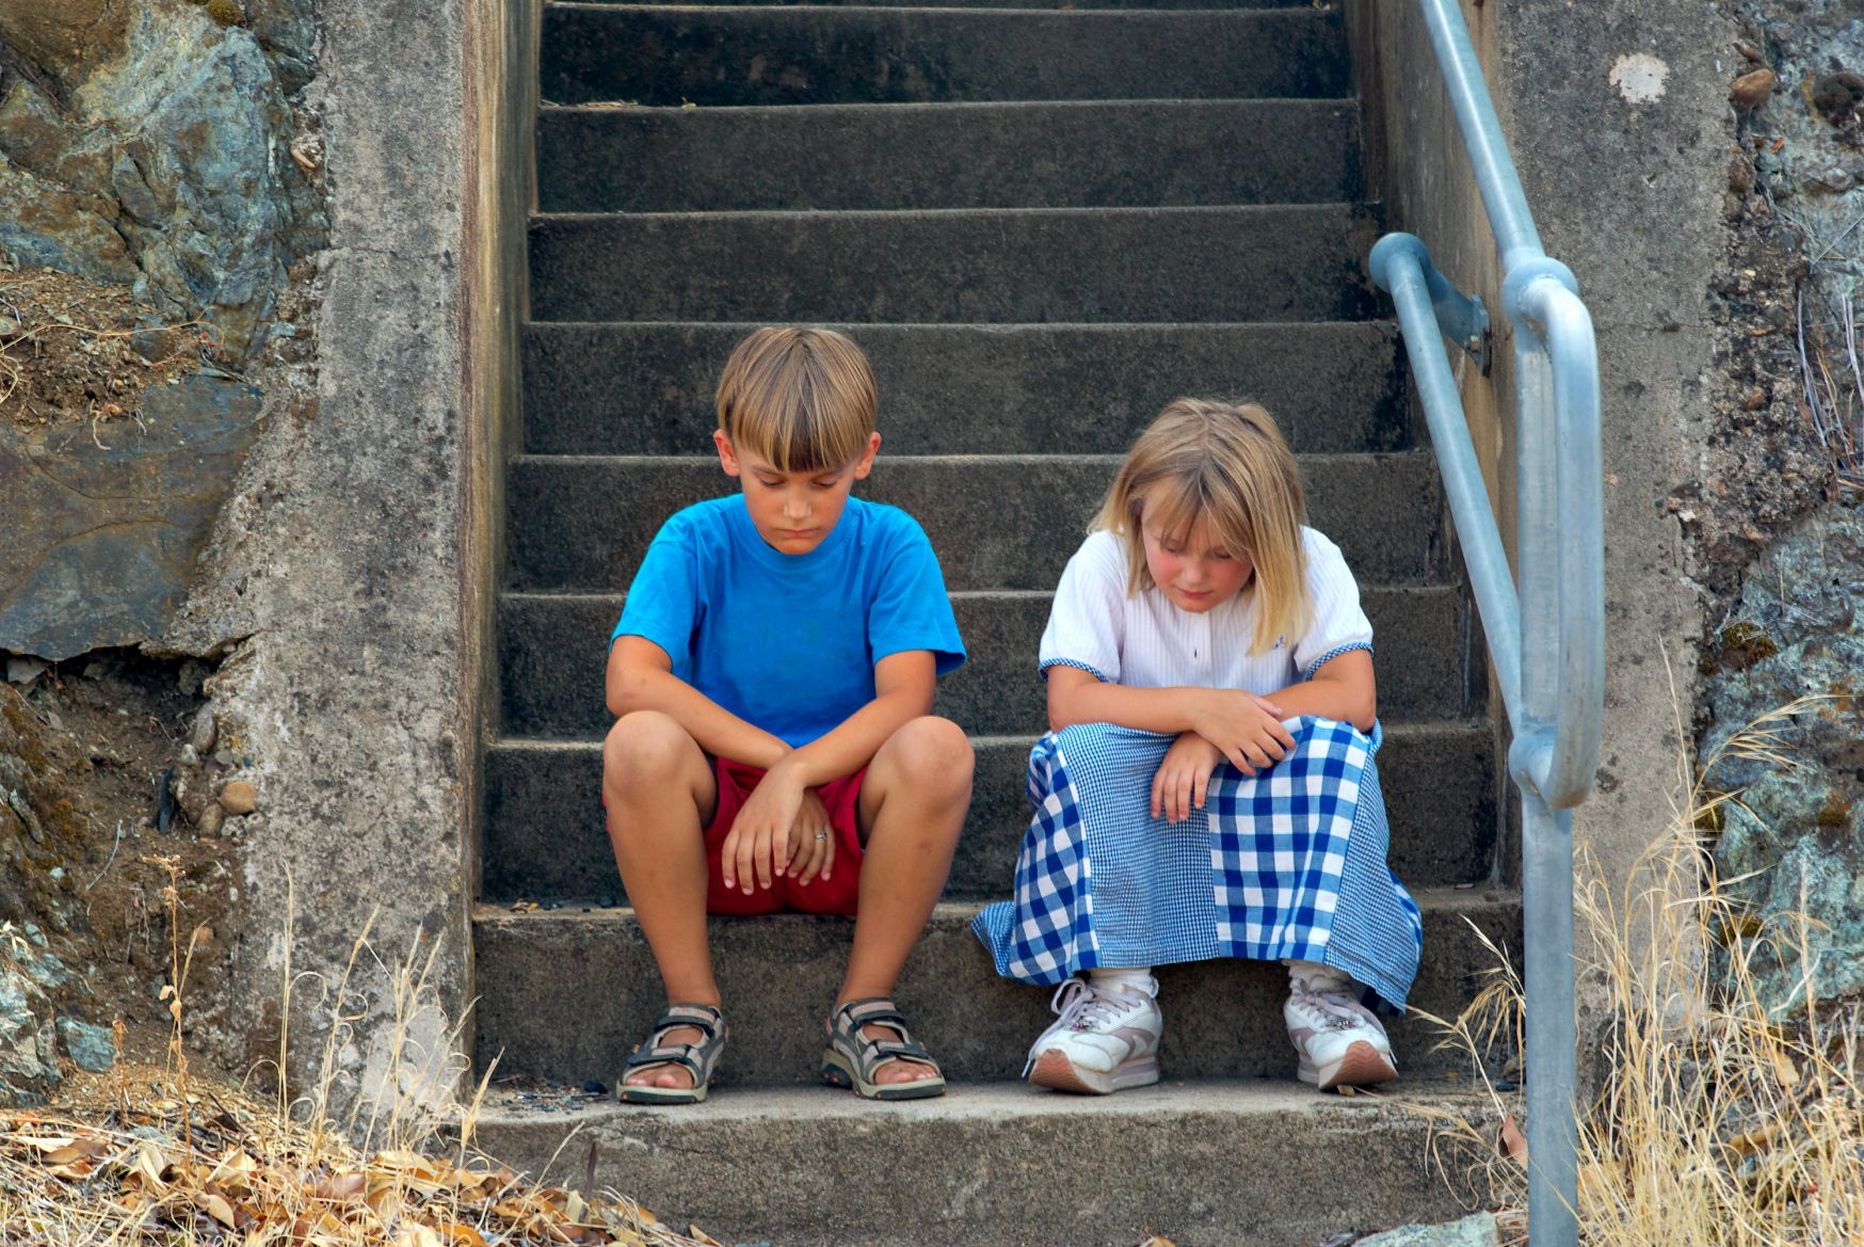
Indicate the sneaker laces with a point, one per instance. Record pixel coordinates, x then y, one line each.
1080 1006
1332 1009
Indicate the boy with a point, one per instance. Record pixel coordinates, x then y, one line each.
772 676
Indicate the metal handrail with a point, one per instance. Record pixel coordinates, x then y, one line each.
1546 642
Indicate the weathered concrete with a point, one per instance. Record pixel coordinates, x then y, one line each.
648 389
997 521
1254 262
552 648
1230 1163
1005 155
1224 1017
719 55
349 574
544 835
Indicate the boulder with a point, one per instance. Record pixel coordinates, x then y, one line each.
1794 842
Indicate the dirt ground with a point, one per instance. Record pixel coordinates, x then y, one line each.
115 785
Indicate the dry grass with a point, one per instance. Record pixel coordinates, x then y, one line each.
152 1155
1718 1124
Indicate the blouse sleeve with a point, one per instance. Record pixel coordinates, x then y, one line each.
1339 623
1087 622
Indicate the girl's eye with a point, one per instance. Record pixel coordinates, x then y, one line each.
1220 555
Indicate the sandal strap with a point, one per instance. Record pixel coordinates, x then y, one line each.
697 1059
869 1054
851 1017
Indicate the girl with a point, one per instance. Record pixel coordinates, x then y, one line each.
1206 788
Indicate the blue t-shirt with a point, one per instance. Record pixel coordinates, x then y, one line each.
789 641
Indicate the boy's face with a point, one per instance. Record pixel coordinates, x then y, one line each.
1195 571
793 511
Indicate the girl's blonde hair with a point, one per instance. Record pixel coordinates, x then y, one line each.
1227 464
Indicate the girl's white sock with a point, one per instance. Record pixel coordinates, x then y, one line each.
1138 978
1319 978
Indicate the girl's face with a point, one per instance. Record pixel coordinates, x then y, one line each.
1194 570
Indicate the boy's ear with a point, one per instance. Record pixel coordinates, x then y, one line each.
865 463
727 456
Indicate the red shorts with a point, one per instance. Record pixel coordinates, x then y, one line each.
837 894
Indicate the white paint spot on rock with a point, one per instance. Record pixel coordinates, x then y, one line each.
1639 77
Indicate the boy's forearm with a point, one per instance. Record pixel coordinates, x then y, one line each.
853 742
717 731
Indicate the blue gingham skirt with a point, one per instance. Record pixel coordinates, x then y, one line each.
1287 864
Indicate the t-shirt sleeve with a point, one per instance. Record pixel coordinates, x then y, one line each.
911 610
663 600
1086 623
1339 623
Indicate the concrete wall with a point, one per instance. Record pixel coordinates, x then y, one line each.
1618 118
358 562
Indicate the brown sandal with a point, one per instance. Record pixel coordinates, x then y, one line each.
700 1059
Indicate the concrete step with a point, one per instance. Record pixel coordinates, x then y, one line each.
647 389
544 839
1058 5
779 974
997 521
1269 1164
997 265
719 55
1091 154
552 648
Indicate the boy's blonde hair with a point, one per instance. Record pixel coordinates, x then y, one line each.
802 399
1225 463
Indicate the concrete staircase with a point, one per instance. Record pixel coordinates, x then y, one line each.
1042 223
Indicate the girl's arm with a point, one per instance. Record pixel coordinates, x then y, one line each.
1341 688
1077 696
640 677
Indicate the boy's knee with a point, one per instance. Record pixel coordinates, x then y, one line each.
935 754
645 747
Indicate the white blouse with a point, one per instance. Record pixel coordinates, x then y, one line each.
1146 642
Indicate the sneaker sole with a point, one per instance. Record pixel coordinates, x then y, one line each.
1055 1070
1361 1065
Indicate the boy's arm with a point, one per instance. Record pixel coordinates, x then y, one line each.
904 684
640 677
1341 688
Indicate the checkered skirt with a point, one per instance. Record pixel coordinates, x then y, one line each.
1289 863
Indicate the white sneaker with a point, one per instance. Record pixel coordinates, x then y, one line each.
1340 1042
1106 1040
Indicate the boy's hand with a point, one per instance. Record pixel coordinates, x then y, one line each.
1184 777
761 834
812 841
1246 728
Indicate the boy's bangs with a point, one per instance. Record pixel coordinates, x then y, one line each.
799 440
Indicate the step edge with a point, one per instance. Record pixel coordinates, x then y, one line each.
1349 207
1248 102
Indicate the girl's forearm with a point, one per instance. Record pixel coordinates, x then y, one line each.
1147 709
1345 701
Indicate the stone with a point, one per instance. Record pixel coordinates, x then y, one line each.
104 534
28 1058
239 797
202 733
1794 841
212 820
22 670
91 1048
1477 1231
1751 89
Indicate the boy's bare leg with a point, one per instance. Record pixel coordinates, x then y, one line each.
912 808
660 793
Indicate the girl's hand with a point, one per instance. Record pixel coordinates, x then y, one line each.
813 840
1184 777
762 832
1245 727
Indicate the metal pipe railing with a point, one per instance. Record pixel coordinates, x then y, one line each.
1545 624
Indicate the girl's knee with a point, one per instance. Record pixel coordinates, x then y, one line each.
646 747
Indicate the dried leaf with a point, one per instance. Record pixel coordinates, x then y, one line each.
43 1143
342 1187
1513 1142
215 1206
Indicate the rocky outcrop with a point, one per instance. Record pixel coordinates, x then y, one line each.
153 144
1793 841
